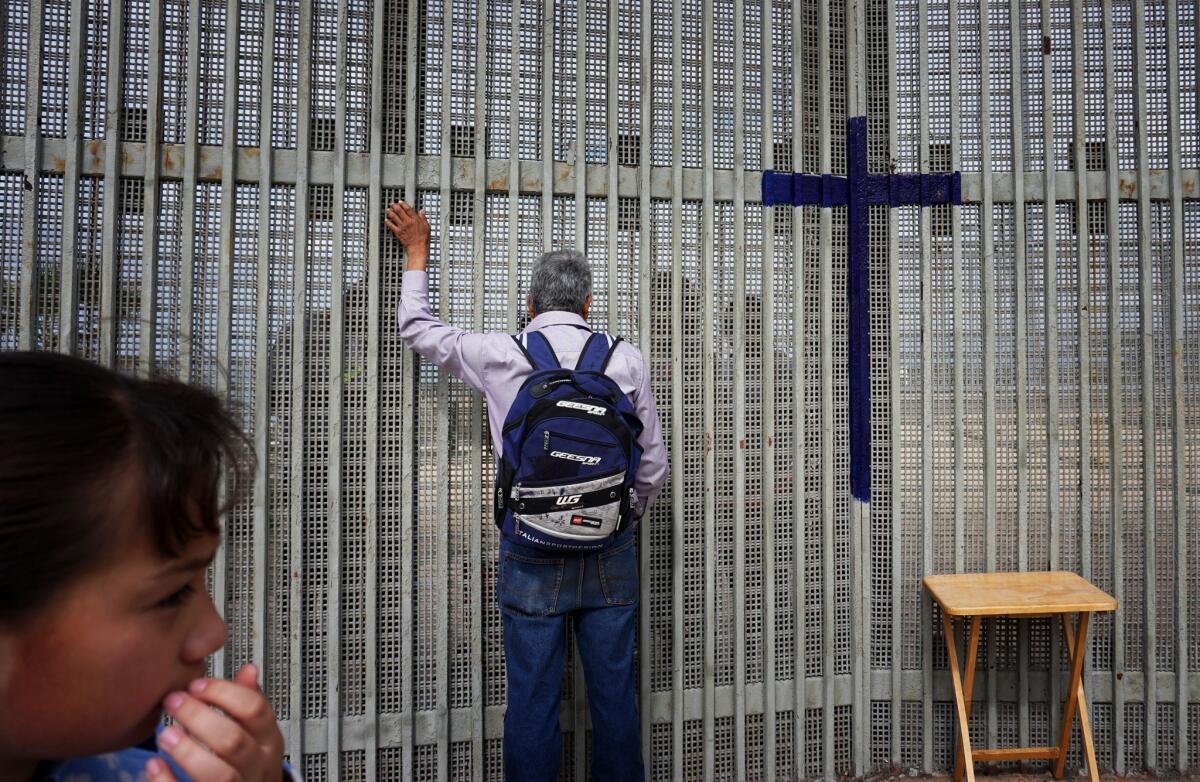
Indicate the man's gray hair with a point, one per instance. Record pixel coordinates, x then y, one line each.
561 280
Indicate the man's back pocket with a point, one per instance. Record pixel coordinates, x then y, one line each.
529 585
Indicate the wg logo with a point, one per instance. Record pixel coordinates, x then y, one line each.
568 499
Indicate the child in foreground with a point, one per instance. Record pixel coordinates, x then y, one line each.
109 517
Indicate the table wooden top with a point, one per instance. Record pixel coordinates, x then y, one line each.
1016 594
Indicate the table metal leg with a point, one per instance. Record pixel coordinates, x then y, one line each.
964 734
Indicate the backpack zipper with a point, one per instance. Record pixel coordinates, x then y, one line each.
573 438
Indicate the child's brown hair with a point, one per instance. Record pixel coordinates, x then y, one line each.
68 430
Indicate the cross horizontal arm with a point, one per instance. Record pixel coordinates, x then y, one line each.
785 188
803 189
914 189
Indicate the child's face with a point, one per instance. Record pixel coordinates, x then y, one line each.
89 674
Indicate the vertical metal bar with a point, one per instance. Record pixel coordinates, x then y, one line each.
612 203
441 590
826 351
580 170
580 166
187 276
478 418
1177 391
299 313
677 447
987 271
708 262
957 284
860 512
224 369
799 471
643 327
1082 308
1116 454
1050 287
262 351
767 439
1050 271
410 366
68 292
112 187
926 384
375 207
894 383
1146 332
336 431
514 164
514 222
739 391
548 71
1018 150
150 194
27 302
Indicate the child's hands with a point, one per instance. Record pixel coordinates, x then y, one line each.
412 229
243 744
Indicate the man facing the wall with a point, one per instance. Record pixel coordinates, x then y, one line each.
538 589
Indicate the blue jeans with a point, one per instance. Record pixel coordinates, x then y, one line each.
537 591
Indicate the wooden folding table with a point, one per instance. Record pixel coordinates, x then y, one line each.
1024 595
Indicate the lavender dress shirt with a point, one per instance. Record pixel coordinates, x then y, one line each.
493 365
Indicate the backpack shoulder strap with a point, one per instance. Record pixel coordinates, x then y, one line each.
596 353
537 351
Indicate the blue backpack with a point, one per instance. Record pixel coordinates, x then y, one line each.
571 451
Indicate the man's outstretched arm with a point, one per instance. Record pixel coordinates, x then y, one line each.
453 349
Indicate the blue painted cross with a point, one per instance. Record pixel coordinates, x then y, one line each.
856 191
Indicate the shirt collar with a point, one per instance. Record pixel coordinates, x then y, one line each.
556 318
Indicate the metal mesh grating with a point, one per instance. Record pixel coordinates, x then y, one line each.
89 216
754 746
814 746
94 77
752 577
787 593
693 749
395 74
281 272
661 647
10 260
210 102
204 284
391 664
52 111
174 69
135 70
353 766
48 258
250 40
14 53
356 523
285 79
318 292
130 223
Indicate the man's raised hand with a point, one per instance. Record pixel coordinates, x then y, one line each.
412 229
